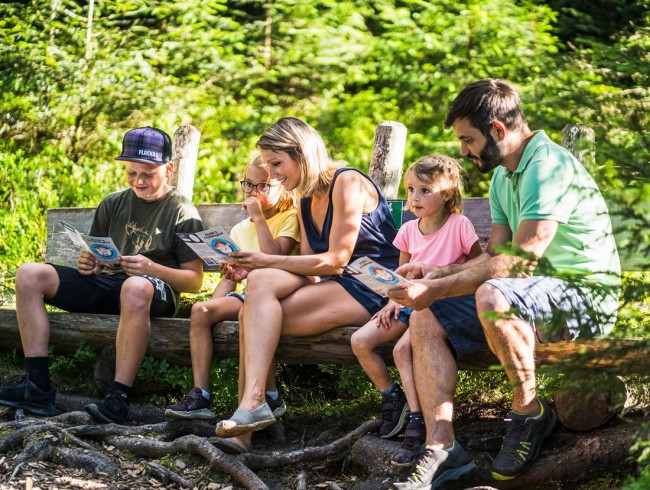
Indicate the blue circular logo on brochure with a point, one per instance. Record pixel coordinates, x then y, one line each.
103 251
222 246
384 275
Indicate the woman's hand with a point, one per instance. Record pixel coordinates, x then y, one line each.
250 260
87 264
387 314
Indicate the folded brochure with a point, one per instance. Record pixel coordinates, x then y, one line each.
213 246
102 248
377 277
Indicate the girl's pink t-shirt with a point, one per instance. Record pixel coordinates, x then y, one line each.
449 245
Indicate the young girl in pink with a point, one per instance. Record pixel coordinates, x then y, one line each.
271 228
440 236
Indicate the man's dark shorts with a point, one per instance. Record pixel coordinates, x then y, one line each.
100 293
459 318
554 310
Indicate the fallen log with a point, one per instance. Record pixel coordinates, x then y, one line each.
170 341
567 457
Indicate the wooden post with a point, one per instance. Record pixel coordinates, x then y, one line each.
186 152
580 140
388 157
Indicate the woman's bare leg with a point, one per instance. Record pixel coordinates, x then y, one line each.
299 314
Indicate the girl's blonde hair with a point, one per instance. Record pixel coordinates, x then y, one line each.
286 198
432 168
304 145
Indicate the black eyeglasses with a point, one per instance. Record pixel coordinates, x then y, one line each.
262 188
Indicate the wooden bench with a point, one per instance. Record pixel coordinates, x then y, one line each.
169 339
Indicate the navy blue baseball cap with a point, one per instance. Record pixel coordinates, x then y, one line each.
146 145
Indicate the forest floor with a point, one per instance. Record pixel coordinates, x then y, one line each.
335 469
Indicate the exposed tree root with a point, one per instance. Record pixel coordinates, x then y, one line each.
74 440
93 447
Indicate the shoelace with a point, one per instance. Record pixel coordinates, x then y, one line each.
189 399
513 446
115 402
15 380
420 468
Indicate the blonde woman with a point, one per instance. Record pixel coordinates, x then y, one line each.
343 215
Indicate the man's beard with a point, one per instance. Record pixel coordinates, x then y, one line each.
490 156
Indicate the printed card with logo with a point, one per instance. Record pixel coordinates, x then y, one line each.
102 248
212 246
377 277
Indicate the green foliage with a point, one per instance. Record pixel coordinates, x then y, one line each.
72 87
354 383
157 376
224 384
72 370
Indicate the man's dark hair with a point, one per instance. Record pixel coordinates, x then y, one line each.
485 101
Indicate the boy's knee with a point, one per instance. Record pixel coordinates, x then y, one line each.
136 292
34 278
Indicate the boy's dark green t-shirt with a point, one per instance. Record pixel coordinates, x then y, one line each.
148 227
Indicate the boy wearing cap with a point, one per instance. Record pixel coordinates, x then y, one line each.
154 268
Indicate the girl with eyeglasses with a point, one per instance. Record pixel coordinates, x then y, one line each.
272 227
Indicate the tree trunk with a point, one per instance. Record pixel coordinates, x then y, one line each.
388 157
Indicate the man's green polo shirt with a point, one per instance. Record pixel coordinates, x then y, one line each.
550 184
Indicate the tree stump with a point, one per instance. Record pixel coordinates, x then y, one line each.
584 404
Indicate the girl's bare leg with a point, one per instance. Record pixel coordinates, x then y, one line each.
204 315
364 342
403 355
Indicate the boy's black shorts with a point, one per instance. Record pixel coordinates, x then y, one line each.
100 293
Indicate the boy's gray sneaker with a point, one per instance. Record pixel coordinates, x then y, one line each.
523 441
277 406
20 392
395 413
193 406
437 466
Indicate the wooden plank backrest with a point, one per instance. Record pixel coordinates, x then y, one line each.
59 248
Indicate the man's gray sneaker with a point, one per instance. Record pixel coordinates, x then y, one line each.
20 392
523 441
193 406
437 466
